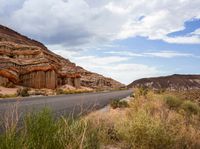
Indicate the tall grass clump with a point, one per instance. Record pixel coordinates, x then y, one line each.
190 107
141 131
42 131
77 134
172 102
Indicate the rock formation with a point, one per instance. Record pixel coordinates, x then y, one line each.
29 63
172 83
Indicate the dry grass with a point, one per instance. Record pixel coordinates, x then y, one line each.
41 130
152 121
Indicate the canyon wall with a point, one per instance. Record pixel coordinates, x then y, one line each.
29 63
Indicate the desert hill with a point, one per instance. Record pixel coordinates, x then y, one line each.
173 82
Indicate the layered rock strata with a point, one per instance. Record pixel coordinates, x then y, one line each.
29 63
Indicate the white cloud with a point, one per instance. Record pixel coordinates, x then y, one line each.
129 72
91 22
110 67
116 67
183 40
162 54
161 18
99 61
69 26
168 54
125 53
196 32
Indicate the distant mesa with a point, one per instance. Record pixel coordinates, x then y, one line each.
173 82
29 63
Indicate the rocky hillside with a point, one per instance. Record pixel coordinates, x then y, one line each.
174 82
27 62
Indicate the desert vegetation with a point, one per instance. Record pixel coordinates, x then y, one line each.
25 92
152 120
119 104
77 91
41 130
8 95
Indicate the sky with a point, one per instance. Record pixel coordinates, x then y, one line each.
122 39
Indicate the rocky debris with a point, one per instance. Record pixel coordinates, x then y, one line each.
29 63
171 83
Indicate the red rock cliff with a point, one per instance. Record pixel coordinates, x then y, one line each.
27 62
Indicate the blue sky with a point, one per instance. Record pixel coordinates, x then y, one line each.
122 39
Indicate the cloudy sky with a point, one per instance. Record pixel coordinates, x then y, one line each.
122 39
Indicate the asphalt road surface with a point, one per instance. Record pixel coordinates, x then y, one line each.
76 104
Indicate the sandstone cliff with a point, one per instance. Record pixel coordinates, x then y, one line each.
29 63
174 82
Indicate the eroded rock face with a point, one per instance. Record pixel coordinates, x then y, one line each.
29 63
172 83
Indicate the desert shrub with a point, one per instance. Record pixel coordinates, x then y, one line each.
142 131
123 104
9 85
59 91
119 104
172 102
132 95
8 95
190 107
160 91
143 91
23 92
114 104
1 96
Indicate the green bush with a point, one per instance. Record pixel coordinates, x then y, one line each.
23 92
172 102
190 107
132 95
59 91
119 104
114 104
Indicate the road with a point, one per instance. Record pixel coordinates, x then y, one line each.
73 104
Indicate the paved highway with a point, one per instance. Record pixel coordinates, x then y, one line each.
64 104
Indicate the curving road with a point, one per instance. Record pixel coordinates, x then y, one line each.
65 104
